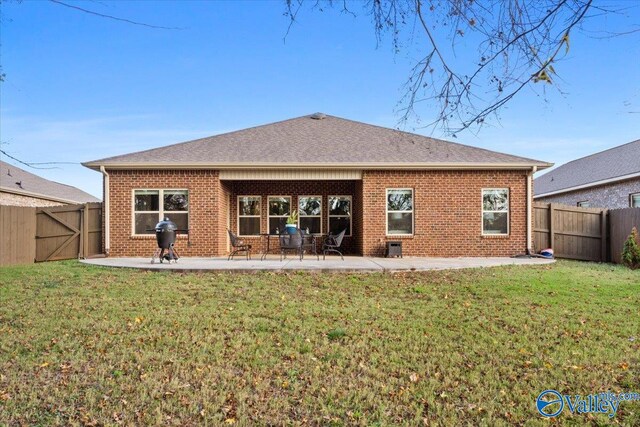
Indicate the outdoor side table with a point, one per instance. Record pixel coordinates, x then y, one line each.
394 248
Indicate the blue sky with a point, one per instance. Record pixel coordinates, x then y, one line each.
79 87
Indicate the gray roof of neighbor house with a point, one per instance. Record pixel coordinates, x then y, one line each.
319 141
615 164
18 181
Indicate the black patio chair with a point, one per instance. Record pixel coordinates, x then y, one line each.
291 240
309 244
332 244
238 245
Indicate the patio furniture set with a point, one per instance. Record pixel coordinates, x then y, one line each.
290 239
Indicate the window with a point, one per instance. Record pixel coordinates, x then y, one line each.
584 204
279 210
340 214
151 206
400 211
634 200
495 211
249 215
310 213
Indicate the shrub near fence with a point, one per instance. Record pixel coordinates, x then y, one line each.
621 222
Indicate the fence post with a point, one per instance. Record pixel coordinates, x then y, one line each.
84 242
603 235
551 227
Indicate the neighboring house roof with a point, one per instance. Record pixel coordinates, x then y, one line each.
18 181
317 141
612 165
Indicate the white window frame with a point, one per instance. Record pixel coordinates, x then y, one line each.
579 204
387 212
482 211
269 216
329 216
238 216
631 196
310 216
161 212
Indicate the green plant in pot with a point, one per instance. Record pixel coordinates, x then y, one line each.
292 220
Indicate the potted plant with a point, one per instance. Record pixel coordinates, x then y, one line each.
292 220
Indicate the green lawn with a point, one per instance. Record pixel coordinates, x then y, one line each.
94 346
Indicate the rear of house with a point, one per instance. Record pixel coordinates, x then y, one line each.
439 198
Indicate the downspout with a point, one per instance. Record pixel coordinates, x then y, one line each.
107 216
529 209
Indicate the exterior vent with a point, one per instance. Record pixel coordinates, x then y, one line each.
318 116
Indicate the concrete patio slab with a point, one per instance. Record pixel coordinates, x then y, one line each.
331 264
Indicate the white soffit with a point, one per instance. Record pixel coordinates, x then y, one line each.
290 174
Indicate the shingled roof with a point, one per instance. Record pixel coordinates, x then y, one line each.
18 181
614 164
316 140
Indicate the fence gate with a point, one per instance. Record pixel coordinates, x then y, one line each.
67 232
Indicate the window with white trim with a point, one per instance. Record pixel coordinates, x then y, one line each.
495 211
339 214
249 215
634 200
279 211
399 211
152 206
584 204
310 213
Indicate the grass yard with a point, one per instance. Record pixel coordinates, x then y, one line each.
84 345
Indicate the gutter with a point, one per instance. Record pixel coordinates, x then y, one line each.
107 216
589 185
312 165
529 210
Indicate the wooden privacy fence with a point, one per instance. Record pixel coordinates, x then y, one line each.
17 235
621 222
572 232
589 234
51 233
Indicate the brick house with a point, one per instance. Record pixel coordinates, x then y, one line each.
21 188
608 179
439 198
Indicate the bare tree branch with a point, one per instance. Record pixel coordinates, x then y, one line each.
519 44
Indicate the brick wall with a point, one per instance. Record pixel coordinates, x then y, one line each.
204 210
611 196
447 212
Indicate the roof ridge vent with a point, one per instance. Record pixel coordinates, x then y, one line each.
318 116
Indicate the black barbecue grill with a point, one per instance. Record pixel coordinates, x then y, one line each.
166 237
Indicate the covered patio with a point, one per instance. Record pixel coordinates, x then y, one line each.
331 264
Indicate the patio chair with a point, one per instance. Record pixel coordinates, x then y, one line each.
309 244
291 240
332 244
238 245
